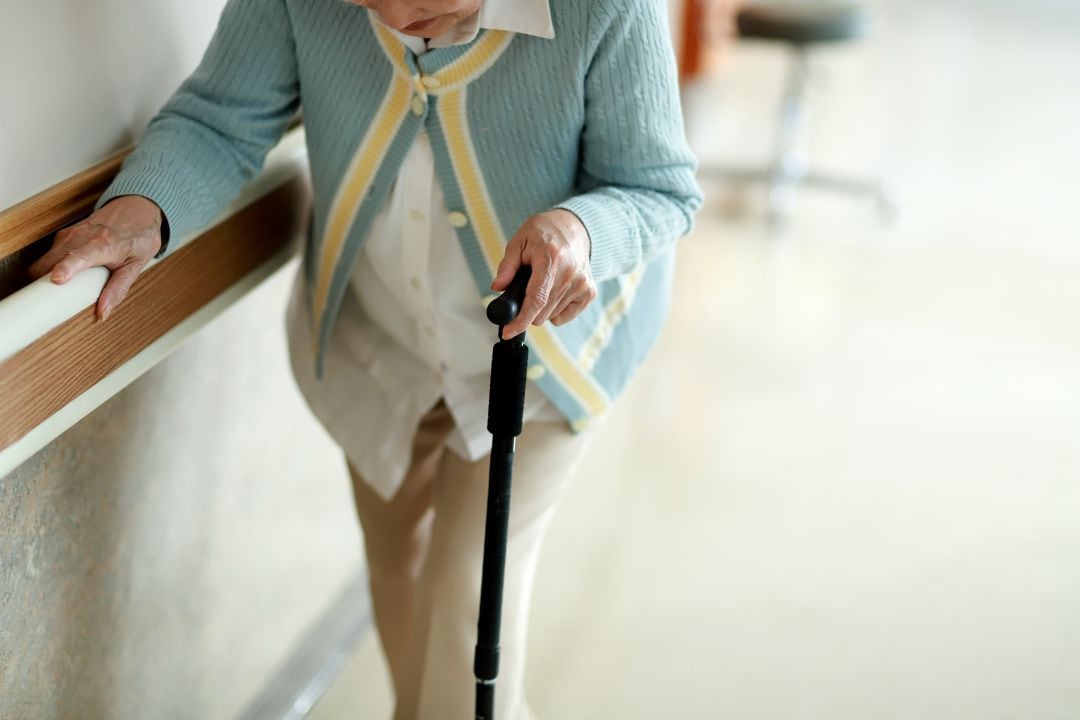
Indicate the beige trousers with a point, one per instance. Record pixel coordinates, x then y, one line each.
424 549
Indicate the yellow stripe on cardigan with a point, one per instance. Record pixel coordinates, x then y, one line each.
473 63
354 186
394 49
489 234
613 314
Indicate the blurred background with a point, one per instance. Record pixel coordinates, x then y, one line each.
843 486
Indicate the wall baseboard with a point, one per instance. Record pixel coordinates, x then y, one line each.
318 658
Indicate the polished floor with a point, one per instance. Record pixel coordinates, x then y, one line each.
846 485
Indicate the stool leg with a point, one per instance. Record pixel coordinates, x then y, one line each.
789 169
882 190
789 166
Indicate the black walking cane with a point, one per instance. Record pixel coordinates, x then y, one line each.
506 403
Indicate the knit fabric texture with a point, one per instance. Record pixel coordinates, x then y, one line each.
589 121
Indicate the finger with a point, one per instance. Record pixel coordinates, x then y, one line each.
89 254
537 294
560 297
570 312
45 263
509 265
564 302
579 289
117 287
576 306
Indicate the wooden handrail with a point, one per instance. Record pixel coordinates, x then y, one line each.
57 362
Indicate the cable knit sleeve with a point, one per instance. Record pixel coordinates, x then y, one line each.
213 134
636 179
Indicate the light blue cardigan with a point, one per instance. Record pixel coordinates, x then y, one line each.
589 121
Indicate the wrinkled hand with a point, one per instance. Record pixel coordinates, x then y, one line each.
556 246
123 235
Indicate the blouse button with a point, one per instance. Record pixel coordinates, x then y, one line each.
458 219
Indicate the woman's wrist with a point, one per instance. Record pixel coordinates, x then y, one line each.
140 204
574 228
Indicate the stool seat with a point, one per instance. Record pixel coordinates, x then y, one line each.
801 22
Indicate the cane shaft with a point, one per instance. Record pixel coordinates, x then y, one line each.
506 406
496 530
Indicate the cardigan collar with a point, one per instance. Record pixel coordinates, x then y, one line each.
528 17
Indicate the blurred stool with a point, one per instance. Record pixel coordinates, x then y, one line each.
800 25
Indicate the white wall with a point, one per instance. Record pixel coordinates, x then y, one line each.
81 78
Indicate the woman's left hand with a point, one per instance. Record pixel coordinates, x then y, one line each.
556 246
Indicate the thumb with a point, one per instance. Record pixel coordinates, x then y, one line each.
509 266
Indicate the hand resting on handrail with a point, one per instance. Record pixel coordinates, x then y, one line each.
123 235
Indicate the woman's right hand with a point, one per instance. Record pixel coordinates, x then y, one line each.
123 236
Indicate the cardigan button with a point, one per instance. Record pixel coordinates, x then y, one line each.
579 424
417 105
431 82
458 219
536 372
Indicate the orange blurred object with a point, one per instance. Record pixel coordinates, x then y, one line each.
708 30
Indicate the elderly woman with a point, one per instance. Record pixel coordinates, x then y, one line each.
450 142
